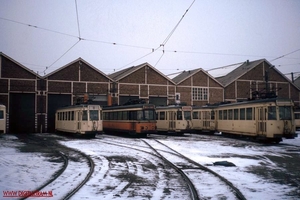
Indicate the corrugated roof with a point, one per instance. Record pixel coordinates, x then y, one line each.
77 60
238 72
125 72
184 75
297 82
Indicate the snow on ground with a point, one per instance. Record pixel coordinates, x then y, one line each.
251 185
28 170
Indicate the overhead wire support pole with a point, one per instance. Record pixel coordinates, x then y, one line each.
77 20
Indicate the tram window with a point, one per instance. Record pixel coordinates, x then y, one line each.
225 114
212 114
115 116
69 115
249 113
272 113
78 116
72 115
125 115
94 115
149 114
195 115
140 115
120 116
242 114
84 115
132 115
230 114
179 115
220 114
162 115
285 113
236 114
187 115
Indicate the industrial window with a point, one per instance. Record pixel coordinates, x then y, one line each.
200 93
249 113
236 114
297 115
242 114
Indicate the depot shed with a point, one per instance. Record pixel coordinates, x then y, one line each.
142 82
70 84
255 79
197 87
20 93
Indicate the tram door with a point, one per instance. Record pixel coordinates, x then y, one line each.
261 121
206 120
172 120
78 120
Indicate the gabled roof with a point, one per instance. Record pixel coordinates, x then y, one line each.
20 65
238 72
243 69
75 61
187 74
297 82
117 76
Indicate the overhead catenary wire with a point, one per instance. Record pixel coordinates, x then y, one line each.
77 20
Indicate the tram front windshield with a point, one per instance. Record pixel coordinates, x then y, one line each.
94 115
145 115
187 115
285 112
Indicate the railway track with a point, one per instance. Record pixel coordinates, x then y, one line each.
72 159
185 166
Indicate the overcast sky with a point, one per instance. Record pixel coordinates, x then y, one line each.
122 33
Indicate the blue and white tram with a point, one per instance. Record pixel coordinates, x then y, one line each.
2 119
81 120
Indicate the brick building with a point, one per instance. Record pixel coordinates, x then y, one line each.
197 87
143 82
257 78
68 85
20 93
31 100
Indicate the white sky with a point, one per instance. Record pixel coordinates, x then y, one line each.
211 34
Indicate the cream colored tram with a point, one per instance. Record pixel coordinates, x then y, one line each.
265 119
203 119
81 120
174 119
2 119
297 119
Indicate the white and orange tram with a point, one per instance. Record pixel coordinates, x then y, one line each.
264 119
81 120
2 118
174 119
135 119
